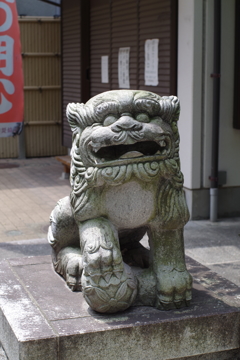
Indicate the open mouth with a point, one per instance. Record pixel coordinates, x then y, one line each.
143 150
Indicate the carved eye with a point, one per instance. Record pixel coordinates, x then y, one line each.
143 118
109 120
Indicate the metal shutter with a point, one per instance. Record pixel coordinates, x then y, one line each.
100 43
71 61
155 22
128 23
125 34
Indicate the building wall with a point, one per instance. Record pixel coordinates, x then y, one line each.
229 138
229 149
195 65
189 89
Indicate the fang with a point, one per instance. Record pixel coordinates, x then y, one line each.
162 143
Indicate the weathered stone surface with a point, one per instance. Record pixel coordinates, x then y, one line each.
24 333
38 312
3 355
23 248
126 181
222 355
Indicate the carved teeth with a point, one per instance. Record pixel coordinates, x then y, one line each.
131 154
158 152
95 146
162 143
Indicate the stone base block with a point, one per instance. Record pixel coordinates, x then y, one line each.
40 318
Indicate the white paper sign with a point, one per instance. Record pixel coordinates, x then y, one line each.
151 62
104 69
123 68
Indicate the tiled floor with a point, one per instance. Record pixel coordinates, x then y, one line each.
28 194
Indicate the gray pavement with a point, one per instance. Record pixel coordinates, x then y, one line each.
215 245
29 192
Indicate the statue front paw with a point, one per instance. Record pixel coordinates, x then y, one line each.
109 292
108 284
173 289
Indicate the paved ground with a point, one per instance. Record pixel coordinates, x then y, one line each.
215 245
29 192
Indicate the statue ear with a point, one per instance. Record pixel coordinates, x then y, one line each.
176 106
75 115
170 108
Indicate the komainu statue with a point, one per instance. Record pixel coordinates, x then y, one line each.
126 181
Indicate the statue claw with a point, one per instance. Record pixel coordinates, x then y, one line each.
118 274
107 277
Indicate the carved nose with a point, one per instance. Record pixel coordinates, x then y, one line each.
126 123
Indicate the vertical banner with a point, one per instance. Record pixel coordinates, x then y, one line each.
151 62
104 69
11 73
123 67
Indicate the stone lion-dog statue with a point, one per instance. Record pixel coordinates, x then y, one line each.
126 181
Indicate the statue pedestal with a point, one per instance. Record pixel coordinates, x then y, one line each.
40 318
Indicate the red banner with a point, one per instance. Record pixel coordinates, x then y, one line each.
11 73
